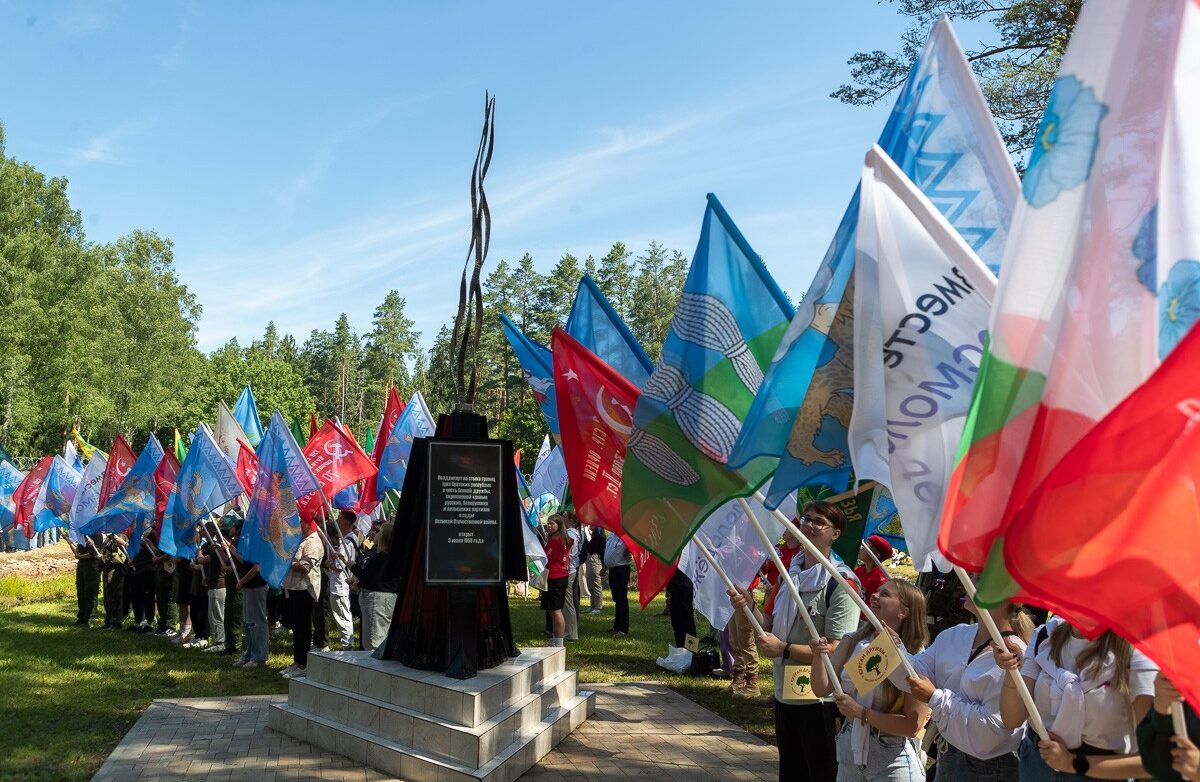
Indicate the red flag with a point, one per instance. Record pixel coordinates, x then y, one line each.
27 493
595 417
1110 536
517 458
337 461
120 461
164 481
391 413
312 425
247 467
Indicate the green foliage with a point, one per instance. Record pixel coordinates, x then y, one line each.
104 335
1016 67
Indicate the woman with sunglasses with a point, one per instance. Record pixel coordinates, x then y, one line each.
804 728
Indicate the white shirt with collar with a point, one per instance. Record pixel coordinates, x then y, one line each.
966 703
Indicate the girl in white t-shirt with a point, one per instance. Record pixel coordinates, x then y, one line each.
1090 694
876 741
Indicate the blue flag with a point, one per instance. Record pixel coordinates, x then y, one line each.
942 136
597 327
727 324
132 504
10 479
273 531
414 422
246 414
53 508
537 368
206 481
884 520
347 498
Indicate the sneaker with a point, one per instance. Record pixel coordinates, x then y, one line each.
619 634
250 664
146 629
214 649
595 612
239 662
199 643
166 632
183 636
293 672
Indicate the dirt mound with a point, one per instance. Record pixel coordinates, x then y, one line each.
40 563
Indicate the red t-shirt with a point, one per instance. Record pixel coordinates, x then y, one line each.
785 554
557 552
870 581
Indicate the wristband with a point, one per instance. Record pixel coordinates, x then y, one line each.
787 650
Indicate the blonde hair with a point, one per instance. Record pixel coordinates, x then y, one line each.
1095 653
1021 621
913 632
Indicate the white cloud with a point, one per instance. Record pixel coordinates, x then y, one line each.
107 147
418 245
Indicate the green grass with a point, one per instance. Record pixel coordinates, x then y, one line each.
15 590
70 695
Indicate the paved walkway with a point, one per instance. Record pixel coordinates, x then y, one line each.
638 730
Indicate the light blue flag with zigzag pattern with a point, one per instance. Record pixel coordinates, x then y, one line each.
941 134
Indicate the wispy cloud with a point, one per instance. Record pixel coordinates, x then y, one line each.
417 245
107 147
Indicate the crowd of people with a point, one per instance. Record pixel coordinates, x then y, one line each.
218 603
1106 706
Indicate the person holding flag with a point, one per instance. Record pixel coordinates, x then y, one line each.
876 742
87 578
1090 695
805 729
958 678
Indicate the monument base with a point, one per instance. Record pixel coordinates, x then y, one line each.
421 725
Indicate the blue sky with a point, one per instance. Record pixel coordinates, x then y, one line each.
305 158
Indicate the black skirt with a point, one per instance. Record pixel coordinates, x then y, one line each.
555 594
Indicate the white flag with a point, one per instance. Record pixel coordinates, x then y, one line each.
229 431
922 299
550 474
736 547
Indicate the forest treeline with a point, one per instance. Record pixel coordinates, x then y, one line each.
103 334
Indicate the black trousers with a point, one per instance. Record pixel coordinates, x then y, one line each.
87 587
319 638
142 595
168 611
618 587
301 605
683 618
805 735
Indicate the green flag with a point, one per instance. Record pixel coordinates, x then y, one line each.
301 435
730 319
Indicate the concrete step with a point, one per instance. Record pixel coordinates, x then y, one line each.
406 762
474 746
468 702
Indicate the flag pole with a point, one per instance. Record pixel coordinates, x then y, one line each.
1177 721
875 559
801 611
703 549
833 571
1035 719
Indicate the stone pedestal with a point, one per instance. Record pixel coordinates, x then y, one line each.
423 726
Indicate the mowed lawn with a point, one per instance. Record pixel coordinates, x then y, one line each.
68 696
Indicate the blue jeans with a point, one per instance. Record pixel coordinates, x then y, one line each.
1033 768
954 765
255 624
889 759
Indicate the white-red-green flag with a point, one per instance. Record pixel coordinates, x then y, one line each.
1099 279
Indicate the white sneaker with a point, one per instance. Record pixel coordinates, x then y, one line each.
196 643
184 636
293 672
215 648
594 611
